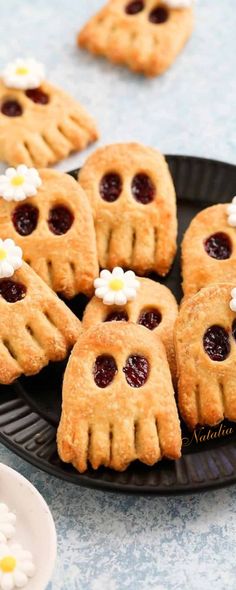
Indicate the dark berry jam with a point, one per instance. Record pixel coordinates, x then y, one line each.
104 370
12 108
134 7
234 329
25 219
110 187
136 370
159 15
216 343
117 316
218 246
143 189
150 319
12 291
60 220
37 95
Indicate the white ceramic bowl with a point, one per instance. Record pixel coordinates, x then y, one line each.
35 529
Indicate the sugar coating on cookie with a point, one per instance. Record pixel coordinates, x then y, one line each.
118 400
132 196
144 35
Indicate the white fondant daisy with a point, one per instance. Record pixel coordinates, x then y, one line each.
10 258
116 287
23 74
16 566
231 211
232 304
19 183
179 3
7 523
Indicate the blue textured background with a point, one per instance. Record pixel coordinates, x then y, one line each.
108 541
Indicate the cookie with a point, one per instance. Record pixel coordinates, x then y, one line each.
36 326
144 35
118 400
40 124
209 249
48 215
206 351
132 196
153 306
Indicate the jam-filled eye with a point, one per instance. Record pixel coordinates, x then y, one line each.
104 370
143 189
136 370
117 316
37 95
150 318
11 108
12 291
159 15
25 219
60 220
110 187
216 343
218 246
134 7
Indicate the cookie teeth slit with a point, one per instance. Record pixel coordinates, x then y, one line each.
49 337
50 273
9 348
74 133
28 148
33 336
23 155
230 398
212 402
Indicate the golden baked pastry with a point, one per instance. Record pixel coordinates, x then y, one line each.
118 400
208 249
54 227
206 356
132 196
36 326
153 307
145 35
39 125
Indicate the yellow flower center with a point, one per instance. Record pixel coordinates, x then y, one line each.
17 180
3 254
22 71
116 284
8 564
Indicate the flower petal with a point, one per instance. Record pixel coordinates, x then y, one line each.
101 292
105 274
120 298
118 272
233 304
109 298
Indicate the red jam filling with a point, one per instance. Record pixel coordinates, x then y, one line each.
60 220
25 219
12 291
216 343
136 370
104 370
110 187
143 189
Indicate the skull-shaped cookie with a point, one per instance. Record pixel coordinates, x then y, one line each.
39 125
132 196
36 326
208 250
54 228
118 400
145 35
206 356
153 307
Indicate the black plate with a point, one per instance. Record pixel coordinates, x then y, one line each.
30 408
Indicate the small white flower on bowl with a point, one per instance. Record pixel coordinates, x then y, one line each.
19 183
16 566
23 74
10 258
116 287
7 523
231 211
